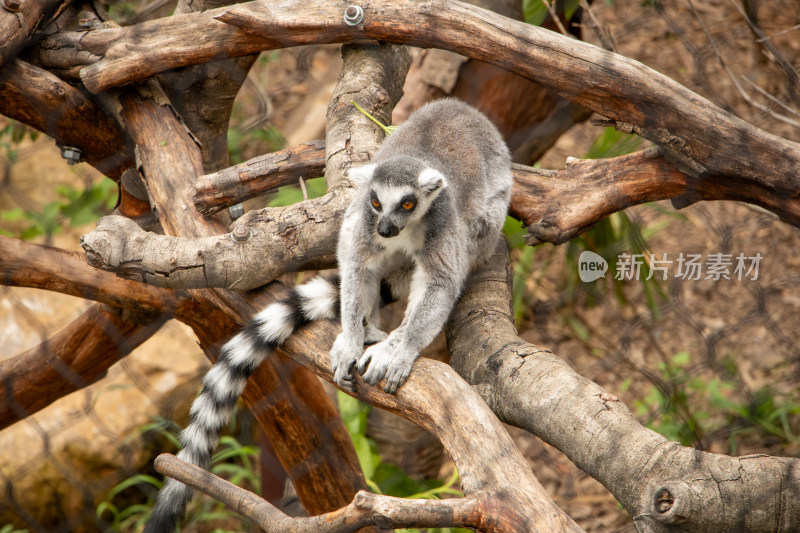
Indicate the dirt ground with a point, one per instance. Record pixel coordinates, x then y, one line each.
726 349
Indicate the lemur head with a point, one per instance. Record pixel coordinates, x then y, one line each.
401 189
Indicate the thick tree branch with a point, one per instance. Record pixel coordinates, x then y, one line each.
17 26
555 205
44 102
384 512
288 402
661 484
558 205
260 175
492 470
75 357
204 94
703 137
24 264
369 77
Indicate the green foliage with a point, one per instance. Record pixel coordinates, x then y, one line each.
615 234
11 135
291 194
534 11
384 478
689 408
122 12
75 208
269 138
608 238
9 528
234 461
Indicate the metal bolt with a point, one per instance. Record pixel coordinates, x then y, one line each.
353 15
241 234
236 211
71 154
12 5
86 24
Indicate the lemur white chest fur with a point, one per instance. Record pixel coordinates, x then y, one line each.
427 209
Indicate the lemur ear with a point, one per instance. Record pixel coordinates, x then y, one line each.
431 180
360 175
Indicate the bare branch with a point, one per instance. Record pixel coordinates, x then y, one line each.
492 469
558 205
786 66
612 85
735 81
288 401
553 204
42 101
661 484
75 357
372 76
17 26
67 273
384 512
260 175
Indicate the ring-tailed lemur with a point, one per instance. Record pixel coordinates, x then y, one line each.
429 208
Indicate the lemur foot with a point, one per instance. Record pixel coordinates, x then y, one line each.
387 359
344 355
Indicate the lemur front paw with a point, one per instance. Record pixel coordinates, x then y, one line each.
388 359
373 334
344 355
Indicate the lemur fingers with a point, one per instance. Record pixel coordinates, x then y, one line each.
388 359
344 354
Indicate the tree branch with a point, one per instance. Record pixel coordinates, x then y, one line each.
384 512
369 77
44 102
75 357
287 401
558 205
661 484
67 273
692 128
16 27
553 204
492 470
260 175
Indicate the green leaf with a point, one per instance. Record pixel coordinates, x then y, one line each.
534 12
681 359
132 482
388 130
12 215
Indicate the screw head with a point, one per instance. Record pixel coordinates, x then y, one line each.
241 234
12 5
353 15
71 154
236 211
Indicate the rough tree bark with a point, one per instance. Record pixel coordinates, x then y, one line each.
664 486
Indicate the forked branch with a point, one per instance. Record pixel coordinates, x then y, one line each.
384 512
683 123
661 484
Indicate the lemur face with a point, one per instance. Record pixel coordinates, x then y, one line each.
400 191
394 206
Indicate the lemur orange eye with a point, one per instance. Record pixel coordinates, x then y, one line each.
375 203
408 205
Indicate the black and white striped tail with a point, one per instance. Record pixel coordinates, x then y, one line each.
225 381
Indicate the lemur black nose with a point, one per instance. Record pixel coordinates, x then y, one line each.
386 229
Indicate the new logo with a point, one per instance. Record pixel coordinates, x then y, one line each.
591 266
